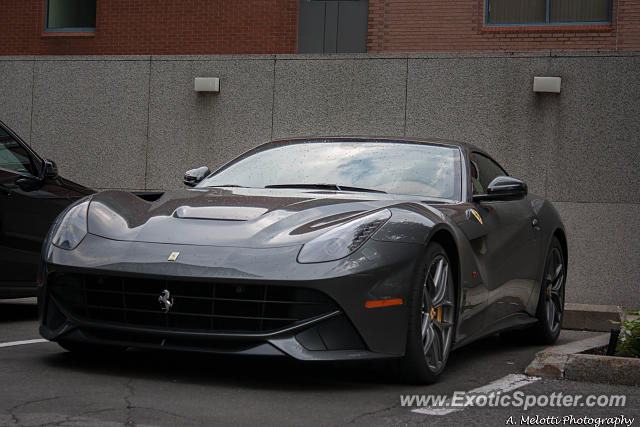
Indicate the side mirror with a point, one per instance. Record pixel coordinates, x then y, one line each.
50 170
193 176
503 187
29 183
32 183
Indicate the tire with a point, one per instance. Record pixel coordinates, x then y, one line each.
81 348
550 308
431 319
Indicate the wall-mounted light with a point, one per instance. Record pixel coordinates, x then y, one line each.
547 84
207 84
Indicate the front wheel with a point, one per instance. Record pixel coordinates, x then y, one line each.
431 318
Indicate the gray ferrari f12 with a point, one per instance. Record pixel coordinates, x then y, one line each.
335 248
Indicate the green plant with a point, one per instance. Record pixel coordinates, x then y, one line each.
629 339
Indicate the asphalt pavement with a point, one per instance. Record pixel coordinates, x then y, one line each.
42 385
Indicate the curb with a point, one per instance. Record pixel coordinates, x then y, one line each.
590 317
568 362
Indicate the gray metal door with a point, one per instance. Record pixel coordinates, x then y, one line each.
332 26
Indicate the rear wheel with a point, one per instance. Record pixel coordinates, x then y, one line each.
431 318
551 300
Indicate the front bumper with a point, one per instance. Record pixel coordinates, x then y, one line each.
349 330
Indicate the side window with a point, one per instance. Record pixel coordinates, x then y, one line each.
483 171
13 156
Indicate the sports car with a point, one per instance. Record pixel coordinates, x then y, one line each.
338 248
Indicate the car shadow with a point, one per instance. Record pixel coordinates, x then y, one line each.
18 310
272 373
268 373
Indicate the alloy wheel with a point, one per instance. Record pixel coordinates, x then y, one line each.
437 313
554 290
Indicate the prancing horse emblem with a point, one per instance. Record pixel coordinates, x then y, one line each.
167 300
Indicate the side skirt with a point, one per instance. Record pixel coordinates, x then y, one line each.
514 321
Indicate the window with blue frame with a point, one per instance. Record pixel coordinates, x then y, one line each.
547 12
70 15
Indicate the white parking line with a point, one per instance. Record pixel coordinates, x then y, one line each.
503 385
435 411
14 343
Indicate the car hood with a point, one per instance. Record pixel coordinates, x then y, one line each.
239 217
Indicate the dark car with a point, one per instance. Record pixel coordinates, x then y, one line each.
319 249
31 197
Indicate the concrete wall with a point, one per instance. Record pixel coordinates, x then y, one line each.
135 122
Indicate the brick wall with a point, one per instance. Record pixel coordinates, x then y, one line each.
458 25
128 27
629 25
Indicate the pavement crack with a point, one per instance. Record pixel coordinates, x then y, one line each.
13 409
75 418
67 419
127 400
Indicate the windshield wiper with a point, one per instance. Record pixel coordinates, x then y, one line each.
326 187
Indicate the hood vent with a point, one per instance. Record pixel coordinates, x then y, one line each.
219 213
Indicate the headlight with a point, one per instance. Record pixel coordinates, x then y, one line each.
342 240
72 228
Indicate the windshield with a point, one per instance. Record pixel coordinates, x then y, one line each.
391 167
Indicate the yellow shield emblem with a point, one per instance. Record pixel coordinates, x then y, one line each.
477 215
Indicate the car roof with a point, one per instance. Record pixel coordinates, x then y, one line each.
391 139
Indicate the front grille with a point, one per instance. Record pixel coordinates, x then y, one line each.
197 305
